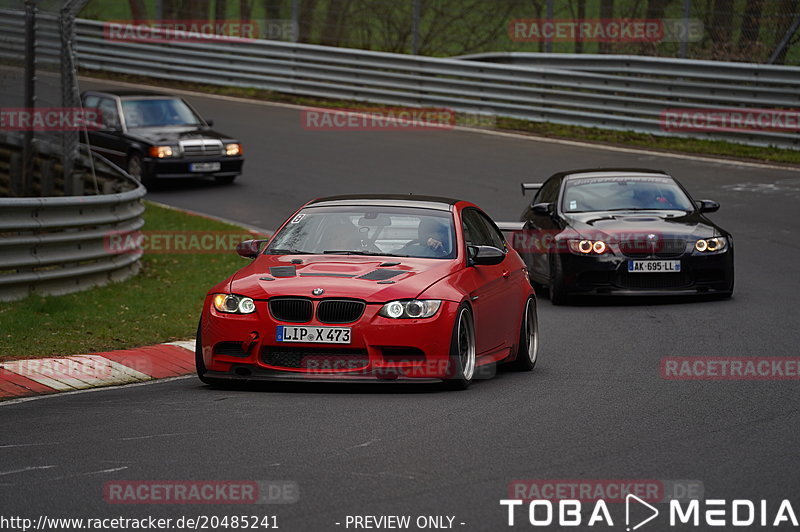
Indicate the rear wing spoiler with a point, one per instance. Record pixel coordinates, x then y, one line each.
510 226
530 186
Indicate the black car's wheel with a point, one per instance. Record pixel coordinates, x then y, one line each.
461 367
225 179
200 366
557 290
136 167
528 352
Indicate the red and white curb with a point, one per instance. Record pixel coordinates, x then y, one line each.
22 378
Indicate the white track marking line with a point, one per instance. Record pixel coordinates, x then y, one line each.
91 390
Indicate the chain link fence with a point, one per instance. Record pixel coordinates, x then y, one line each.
760 31
41 120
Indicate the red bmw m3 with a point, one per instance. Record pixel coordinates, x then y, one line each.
372 287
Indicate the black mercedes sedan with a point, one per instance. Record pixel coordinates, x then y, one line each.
154 135
622 232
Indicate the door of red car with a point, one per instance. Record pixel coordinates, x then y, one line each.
491 297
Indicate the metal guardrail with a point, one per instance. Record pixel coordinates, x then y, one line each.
58 245
611 92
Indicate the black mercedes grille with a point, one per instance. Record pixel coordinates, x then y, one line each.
291 309
641 248
653 281
339 310
320 359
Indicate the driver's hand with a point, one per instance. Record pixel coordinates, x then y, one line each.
435 245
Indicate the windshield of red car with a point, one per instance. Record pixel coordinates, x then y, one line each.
368 230
623 194
158 112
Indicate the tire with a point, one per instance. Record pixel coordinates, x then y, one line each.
136 169
225 179
528 351
461 367
200 366
557 290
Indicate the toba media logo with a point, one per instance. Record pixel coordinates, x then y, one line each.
639 512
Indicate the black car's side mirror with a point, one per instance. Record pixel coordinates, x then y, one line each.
485 255
249 249
544 209
210 123
707 206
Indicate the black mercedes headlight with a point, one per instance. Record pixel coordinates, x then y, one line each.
233 304
706 246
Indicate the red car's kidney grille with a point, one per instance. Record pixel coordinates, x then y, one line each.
319 359
659 248
291 309
339 310
653 281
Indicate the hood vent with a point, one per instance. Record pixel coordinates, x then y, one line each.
381 275
283 271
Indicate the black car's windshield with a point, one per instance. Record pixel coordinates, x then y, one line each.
379 231
158 112
623 194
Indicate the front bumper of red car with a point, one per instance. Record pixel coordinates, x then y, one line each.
246 346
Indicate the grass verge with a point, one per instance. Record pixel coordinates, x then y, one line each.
714 148
161 304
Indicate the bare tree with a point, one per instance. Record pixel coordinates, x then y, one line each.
788 10
138 10
306 21
751 24
721 29
272 8
332 22
606 12
220 10
580 16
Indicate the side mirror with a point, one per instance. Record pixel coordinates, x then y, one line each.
544 209
249 249
707 206
210 123
485 255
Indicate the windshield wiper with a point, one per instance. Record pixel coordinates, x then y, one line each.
283 251
360 252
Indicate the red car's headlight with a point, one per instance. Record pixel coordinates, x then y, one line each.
411 308
233 304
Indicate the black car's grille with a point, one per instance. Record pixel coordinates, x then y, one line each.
339 310
291 309
315 359
641 248
653 281
201 148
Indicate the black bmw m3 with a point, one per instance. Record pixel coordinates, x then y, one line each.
622 231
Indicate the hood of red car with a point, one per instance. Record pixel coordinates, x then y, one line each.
376 279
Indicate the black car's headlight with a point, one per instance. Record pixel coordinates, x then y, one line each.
718 244
233 148
164 152
587 247
233 304
411 308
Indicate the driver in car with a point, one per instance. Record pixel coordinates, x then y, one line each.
432 236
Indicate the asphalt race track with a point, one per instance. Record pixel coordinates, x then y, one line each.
595 408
